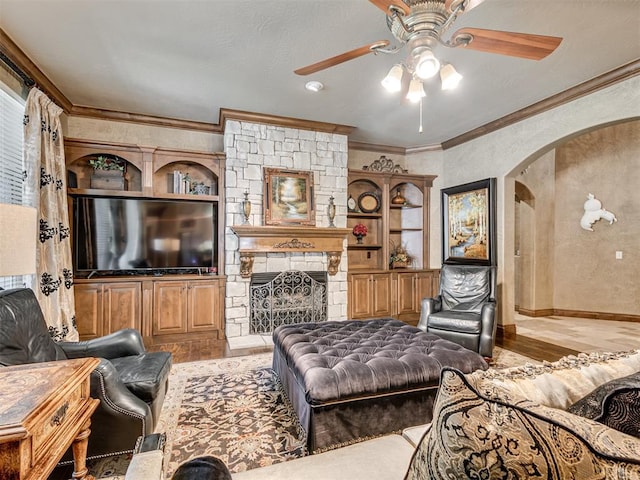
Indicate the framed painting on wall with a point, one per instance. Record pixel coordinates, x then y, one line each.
468 223
288 197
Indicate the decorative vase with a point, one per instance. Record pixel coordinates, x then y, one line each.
359 239
246 208
331 212
399 198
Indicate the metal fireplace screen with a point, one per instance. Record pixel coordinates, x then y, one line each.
287 298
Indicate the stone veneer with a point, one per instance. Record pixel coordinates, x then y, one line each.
249 147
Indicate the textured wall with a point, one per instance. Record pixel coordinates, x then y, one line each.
505 152
536 233
587 275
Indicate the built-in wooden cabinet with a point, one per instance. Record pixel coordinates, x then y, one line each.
172 307
410 289
394 207
186 307
369 295
103 308
166 309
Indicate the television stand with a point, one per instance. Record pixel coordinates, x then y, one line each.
168 308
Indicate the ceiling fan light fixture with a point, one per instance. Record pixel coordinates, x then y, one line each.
314 86
450 77
393 81
416 91
427 65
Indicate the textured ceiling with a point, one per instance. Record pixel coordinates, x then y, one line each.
186 59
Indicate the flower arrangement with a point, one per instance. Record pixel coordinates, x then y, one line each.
360 230
399 257
103 162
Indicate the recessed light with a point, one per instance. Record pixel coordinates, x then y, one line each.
314 86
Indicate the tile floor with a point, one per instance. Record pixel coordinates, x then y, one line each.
583 334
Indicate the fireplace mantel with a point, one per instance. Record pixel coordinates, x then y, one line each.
285 239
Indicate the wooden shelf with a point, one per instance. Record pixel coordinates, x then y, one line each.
160 307
186 196
288 239
375 288
406 205
104 193
400 230
363 215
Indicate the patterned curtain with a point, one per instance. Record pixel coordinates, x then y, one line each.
45 189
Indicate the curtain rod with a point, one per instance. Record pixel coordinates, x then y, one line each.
26 79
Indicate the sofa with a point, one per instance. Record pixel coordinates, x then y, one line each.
503 424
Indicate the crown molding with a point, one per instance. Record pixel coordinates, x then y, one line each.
288 122
372 147
605 80
104 114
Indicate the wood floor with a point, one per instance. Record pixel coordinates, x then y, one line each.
536 349
210 349
204 349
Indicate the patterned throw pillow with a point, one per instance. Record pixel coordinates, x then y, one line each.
484 437
614 404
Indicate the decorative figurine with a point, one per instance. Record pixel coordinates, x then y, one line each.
593 212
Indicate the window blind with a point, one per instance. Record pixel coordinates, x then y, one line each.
11 164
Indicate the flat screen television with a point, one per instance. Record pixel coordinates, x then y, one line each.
143 235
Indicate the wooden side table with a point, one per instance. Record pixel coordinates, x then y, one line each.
44 408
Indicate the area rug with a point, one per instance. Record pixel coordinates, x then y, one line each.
240 415
234 409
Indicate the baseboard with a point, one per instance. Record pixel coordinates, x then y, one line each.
618 317
506 331
547 312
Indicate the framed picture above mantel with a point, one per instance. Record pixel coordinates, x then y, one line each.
288 197
468 223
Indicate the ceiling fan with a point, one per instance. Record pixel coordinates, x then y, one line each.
421 24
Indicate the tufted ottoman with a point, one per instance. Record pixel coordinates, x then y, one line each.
353 380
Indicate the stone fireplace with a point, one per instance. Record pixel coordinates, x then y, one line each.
249 148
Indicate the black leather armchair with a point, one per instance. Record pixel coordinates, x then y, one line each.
129 382
464 310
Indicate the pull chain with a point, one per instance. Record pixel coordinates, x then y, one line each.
420 128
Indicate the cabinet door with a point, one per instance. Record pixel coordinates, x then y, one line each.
204 306
89 311
169 307
426 287
122 306
380 295
407 297
360 296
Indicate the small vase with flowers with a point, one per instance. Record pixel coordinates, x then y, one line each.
359 231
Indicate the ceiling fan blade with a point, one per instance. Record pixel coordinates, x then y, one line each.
523 45
343 57
385 6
